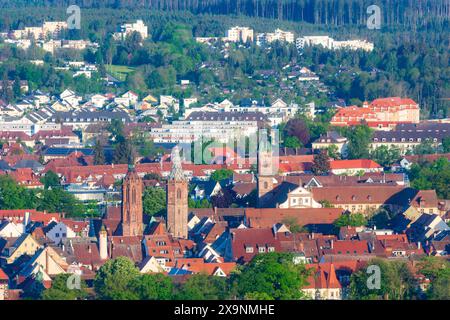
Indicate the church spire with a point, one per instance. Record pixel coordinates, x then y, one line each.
176 173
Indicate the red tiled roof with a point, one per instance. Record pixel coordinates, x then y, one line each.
352 164
348 247
266 218
200 266
254 238
38 216
323 277
3 275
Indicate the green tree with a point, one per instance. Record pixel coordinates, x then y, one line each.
272 276
14 196
221 174
385 156
351 220
321 164
203 203
425 147
123 152
446 145
51 180
60 290
438 271
204 287
333 152
292 142
396 282
114 280
99 153
359 138
58 200
436 175
153 287
154 201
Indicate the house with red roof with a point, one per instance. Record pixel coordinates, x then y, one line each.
330 280
4 285
195 265
384 113
354 167
323 283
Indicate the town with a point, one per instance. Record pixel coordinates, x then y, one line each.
116 187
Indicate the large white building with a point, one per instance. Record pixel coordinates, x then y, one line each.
240 34
51 29
278 35
329 43
128 28
219 126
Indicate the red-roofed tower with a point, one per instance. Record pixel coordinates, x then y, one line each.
132 212
177 199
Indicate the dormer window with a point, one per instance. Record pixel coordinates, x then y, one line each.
353 197
248 249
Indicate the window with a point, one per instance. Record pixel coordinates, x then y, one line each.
178 193
249 249
270 249
261 249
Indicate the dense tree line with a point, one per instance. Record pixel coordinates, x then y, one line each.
334 12
52 198
407 61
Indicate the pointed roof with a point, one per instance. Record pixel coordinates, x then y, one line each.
3 275
177 170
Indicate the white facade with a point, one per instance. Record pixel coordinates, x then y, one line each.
60 232
189 131
129 28
329 43
240 34
278 35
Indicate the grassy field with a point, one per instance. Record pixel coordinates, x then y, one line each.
119 72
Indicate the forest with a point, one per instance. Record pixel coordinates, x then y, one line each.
408 60
334 12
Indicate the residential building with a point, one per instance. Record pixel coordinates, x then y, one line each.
278 35
128 28
379 114
240 34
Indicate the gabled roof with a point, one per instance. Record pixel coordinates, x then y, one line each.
352 164
3 275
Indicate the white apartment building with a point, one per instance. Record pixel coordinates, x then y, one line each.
220 126
278 35
354 45
324 41
329 43
129 28
50 29
240 34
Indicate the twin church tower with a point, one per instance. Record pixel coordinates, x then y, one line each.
177 194
177 201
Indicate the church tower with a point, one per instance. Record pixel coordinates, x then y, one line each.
266 168
177 198
132 212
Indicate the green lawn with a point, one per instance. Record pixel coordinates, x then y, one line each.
119 72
